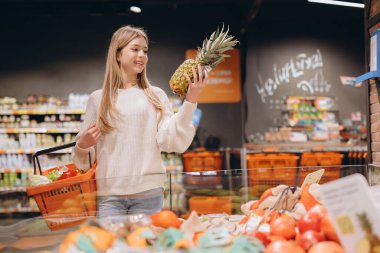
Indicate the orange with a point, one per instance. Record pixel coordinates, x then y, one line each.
165 219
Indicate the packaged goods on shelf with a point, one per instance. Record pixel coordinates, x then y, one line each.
26 127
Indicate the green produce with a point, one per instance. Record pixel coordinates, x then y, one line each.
54 175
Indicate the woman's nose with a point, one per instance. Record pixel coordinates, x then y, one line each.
141 53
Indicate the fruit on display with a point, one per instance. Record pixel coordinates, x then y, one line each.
309 238
209 55
283 247
266 230
328 229
283 227
326 247
165 219
309 222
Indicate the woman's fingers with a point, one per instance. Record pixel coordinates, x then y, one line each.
188 79
200 73
97 136
195 76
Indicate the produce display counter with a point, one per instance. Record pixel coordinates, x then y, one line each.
221 211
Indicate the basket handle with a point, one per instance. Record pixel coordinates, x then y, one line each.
50 150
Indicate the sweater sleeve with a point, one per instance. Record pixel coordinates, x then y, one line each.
175 131
80 156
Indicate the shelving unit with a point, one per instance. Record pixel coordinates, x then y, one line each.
316 116
26 128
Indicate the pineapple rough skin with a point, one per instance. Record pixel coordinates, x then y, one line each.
178 82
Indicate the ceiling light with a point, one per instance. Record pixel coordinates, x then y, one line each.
341 3
135 6
135 9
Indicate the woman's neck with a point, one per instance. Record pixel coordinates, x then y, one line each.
129 81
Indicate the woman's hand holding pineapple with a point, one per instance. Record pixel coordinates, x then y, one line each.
197 86
90 137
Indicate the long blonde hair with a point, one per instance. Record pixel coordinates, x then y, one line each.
113 78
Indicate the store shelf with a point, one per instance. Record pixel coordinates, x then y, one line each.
40 130
41 111
320 110
13 189
17 210
30 151
19 215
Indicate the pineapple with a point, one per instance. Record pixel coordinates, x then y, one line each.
209 56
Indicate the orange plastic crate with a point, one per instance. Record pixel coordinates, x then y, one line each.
210 204
202 161
66 202
272 169
321 159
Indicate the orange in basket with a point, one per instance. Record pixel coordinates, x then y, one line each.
210 204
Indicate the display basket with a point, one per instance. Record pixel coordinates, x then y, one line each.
67 202
204 167
272 167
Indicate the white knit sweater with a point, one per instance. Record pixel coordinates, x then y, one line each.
129 158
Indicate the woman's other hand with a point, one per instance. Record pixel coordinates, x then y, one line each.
90 137
197 86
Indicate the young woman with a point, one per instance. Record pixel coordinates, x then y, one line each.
126 126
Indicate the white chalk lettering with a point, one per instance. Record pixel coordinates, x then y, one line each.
295 68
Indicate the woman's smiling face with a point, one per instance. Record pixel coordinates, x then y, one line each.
134 56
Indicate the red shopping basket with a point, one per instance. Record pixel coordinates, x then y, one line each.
66 202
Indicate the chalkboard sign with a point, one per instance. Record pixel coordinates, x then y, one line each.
279 66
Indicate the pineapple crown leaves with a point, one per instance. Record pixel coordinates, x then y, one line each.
212 50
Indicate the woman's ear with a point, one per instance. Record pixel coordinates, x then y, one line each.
118 55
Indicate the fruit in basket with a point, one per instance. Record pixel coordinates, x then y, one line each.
326 247
284 227
165 219
283 247
328 229
309 222
210 55
309 238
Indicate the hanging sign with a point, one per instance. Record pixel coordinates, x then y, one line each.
223 84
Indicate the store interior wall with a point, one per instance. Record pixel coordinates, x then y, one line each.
57 50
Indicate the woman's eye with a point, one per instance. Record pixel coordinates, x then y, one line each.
134 49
